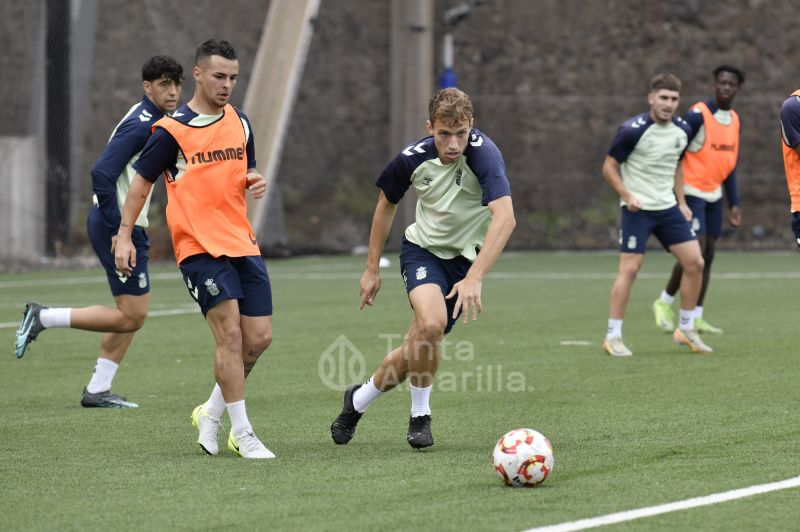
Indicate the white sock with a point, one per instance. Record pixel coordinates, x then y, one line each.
419 401
666 298
614 329
686 320
215 405
364 396
238 414
698 311
104 372
55 317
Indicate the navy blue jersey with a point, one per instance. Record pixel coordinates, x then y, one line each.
113 171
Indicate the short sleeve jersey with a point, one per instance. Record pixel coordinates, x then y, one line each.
452 216
113 171
648 154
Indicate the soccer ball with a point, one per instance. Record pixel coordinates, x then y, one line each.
523 458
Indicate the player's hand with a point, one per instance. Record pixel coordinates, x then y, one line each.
256 184
686 211
468 291
124 255
634 204
735 216
370 284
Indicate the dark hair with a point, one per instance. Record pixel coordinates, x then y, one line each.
669 82
215 47
732 69
162 66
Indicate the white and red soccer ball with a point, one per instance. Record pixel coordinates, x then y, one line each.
523 458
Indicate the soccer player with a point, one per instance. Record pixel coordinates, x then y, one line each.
111 177
464 218
710 162
205 151
642 166
790 129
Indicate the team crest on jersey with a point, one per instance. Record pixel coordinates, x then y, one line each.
459 173
422 272
632 242
211 286
142 280
427 180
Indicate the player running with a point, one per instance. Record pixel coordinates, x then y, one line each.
112 175
464 218
206 153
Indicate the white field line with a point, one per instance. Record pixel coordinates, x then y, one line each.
706 500
333 276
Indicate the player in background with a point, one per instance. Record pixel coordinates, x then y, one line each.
111 177
464 218
642 166
710 162
790 131
206 153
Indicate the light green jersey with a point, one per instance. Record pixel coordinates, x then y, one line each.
452 216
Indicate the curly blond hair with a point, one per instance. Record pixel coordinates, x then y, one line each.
451 106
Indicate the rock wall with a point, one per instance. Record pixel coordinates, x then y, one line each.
551 81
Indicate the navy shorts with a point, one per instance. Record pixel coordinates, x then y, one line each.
706 216
211 281
419 266
796 228
669 226
138 284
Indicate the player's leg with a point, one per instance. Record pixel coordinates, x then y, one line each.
225 324
635 229
708 240
123 318
662 307
629 266
423 348
113 346
255 308
691 259
677 236
214 283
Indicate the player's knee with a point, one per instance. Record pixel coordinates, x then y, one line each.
261 341
230 337
431 329
629 272
136 321
694 266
